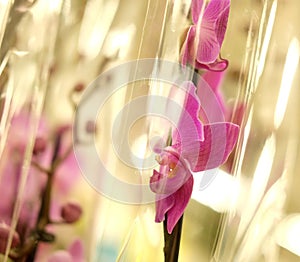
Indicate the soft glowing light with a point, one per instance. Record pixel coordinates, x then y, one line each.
263 170
96 22
246 137
118 42
256 61
55 5
259 182
5 6
139 148
258 234
221 194
287 233
290 67
267 38
4 3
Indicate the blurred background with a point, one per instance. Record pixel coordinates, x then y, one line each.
252 212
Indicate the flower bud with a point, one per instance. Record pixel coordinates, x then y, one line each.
4 234
39 146
79 87
71 212
90 127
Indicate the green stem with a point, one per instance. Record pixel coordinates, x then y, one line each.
172 241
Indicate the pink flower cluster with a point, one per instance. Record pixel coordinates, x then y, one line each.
53 166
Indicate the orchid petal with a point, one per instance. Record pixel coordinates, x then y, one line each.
208 45
212 105
61 256
155 181
219 140
75 253
212 31
168 181
235 114
189 152
213 79
217 12
216 66
212 108
196 7
161 184
163 205
189 126
181 198
76 249
187 53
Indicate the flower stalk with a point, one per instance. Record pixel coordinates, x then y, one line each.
43 218
28 249
172 241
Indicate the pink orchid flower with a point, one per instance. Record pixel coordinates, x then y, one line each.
213 105
205 37
194 148
75 253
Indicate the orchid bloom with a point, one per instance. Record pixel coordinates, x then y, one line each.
75 253
213 107
195 147
205 37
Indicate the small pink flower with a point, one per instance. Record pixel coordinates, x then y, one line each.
195 147
75 253
208 34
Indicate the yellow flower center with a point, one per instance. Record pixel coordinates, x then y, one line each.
172 170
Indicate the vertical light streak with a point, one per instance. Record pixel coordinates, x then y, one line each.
289 71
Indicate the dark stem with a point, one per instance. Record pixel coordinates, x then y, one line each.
43 218
172 241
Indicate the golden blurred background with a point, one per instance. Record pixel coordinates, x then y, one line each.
252 214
